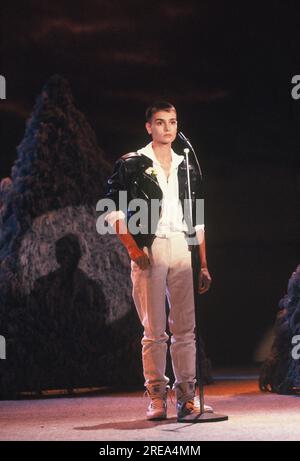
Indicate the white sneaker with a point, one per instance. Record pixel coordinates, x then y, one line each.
157 409
188 405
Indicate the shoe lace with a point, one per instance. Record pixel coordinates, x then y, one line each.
157 399
157 403
190 405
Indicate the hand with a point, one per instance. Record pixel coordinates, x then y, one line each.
204 280
135 253
139 257
143 261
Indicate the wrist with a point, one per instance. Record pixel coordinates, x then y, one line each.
134 251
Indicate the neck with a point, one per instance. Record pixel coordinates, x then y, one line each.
162 151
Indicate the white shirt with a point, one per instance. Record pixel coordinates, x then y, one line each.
171 218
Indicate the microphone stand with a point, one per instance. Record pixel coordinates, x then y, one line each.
202 417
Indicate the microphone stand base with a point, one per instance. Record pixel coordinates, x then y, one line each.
207 417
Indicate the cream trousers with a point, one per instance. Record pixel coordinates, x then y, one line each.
169 273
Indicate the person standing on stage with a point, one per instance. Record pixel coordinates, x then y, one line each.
160 258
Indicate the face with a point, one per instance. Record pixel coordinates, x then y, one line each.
163 126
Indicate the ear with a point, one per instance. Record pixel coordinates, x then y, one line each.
148 127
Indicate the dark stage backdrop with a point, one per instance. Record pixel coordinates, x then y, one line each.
228 68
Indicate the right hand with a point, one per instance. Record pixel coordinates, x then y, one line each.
140 258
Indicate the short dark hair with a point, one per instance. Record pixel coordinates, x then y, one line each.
156 107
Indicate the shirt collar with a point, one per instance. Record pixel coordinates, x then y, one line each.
149 152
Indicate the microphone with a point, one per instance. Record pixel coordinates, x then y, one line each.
184 139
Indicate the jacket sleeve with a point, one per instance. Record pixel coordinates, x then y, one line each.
116 190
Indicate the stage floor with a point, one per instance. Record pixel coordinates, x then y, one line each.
108 416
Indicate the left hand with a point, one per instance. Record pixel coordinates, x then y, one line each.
204 280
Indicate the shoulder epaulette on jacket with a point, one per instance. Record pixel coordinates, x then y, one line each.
130 155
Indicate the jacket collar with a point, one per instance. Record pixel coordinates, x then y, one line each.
149 152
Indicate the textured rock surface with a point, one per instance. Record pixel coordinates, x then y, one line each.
100 255
281 371
68 319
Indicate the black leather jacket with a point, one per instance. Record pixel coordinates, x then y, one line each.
129 175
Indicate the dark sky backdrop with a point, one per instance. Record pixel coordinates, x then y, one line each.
227 66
